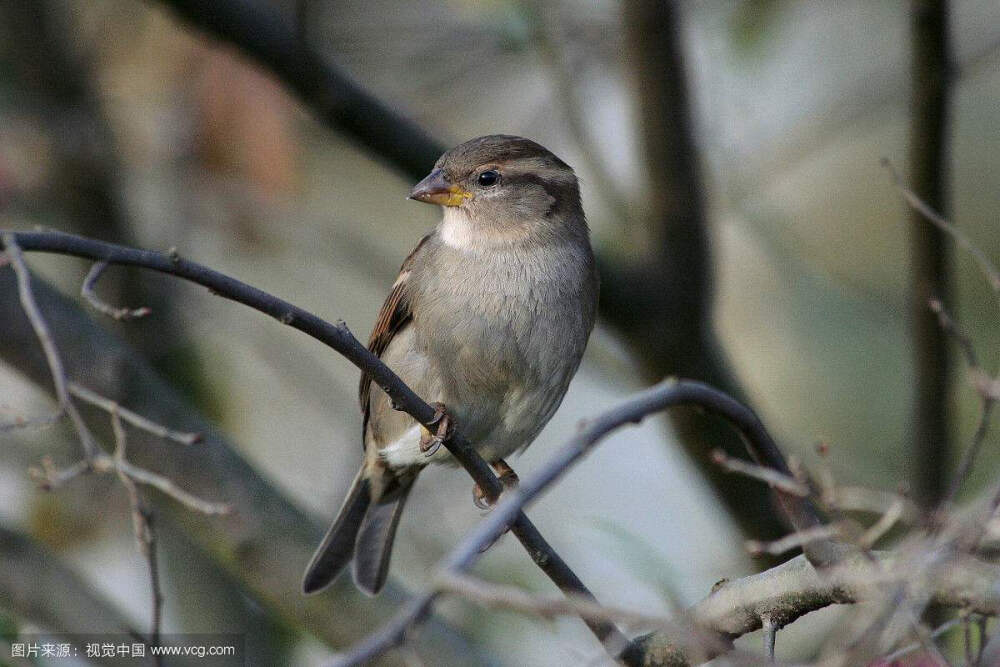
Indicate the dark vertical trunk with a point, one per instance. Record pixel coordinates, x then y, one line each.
929 269
663 305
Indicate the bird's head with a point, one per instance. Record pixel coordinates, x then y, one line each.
502 189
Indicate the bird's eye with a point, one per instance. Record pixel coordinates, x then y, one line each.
488 178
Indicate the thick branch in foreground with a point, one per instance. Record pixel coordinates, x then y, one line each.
266 540
339 338
270 38
668 394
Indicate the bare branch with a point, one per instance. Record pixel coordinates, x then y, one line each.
917 204
794 540
142 526
883 525
952 328
88 293
127 415
770 635
167 486
13 251
760 473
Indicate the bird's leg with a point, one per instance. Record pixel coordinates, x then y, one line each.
507 477
444 426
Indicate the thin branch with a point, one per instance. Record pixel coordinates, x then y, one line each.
951 327
88 293
770 635
917 204
801 538
21 423
339 338
885 523
167 486
127 415
38 323
142 526
982 382
760 473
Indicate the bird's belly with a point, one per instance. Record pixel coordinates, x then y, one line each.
504 370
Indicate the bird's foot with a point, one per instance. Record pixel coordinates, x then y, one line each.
444 427
508 478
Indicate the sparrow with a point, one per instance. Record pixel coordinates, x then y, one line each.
488 320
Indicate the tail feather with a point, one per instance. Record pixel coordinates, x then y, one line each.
337 547
374 542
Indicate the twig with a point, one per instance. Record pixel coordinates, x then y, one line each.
982 382
770 635
167 486
41 328
916 203
20 423
860 499
88 293
142 526
767 475
127 415
951 327
883 525
794 540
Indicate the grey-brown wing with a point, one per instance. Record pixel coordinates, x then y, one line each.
394 315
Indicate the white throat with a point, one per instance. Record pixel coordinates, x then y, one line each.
459 231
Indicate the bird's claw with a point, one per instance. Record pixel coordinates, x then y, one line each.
508 478
429 444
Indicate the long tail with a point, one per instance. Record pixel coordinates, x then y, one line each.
374 542
337 547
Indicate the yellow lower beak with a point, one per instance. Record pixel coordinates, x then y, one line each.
435 189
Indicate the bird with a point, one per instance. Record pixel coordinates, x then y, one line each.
488 321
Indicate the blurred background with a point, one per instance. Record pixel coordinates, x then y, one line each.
729 154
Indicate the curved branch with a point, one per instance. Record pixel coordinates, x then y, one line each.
339 338
667 394
267 539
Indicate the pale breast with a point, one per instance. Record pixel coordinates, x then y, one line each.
505 333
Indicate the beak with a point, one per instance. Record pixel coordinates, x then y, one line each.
435 189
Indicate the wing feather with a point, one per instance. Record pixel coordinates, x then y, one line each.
394 315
